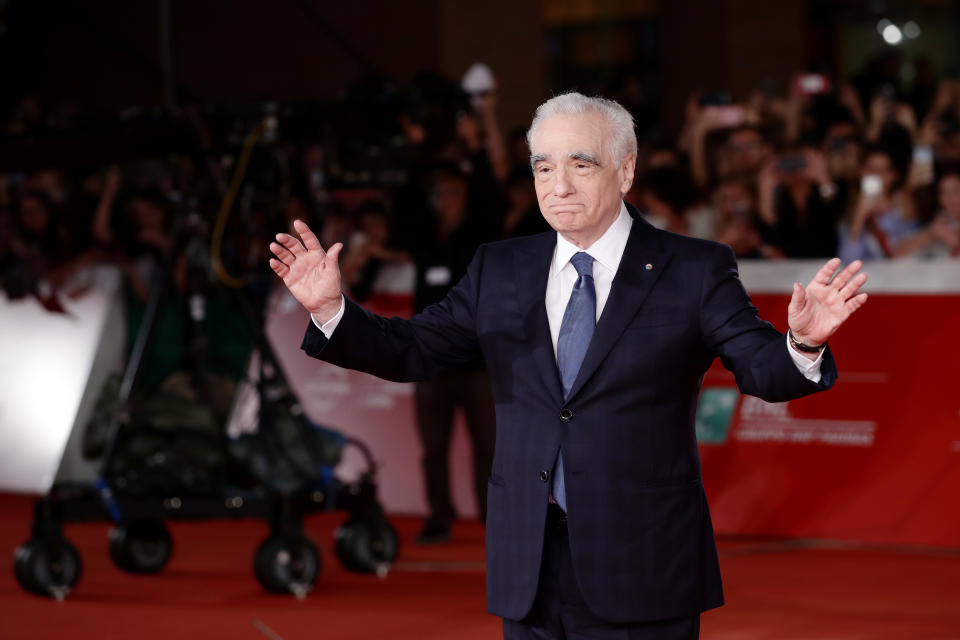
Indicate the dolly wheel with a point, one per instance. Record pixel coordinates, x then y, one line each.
287 563
47 568
367 545
141 546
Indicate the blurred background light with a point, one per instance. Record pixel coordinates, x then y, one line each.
892 34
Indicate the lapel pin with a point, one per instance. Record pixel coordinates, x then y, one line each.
648 267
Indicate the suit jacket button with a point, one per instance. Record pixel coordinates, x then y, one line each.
566 415
544 475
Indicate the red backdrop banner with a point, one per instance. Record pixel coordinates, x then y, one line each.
875 459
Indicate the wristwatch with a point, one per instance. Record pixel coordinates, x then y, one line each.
799 346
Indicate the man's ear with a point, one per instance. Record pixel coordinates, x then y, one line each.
627 171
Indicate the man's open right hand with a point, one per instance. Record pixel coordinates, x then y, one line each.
311 274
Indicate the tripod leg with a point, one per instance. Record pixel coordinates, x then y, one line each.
138 356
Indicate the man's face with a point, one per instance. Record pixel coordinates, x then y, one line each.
34 216
949 193
734 199
579 187
747 150
449 199
879 164
842 151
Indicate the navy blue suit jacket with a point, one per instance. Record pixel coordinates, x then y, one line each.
640 533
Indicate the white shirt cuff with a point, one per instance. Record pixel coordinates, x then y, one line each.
328 327
809 368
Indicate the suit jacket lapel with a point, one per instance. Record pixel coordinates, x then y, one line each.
630 288
532 268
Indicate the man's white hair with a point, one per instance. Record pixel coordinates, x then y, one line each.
621 138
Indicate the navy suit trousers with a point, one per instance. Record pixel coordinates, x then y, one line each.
560 612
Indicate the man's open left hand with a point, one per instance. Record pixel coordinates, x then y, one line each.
817 311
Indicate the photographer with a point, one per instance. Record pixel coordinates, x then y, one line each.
743 148
522 215
369 249
941 127
449 236
798 203
669 199
941 237
38 254
883 214
738 224
842 147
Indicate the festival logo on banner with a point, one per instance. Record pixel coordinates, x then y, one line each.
761 421
715 414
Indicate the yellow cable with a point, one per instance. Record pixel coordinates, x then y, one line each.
236 180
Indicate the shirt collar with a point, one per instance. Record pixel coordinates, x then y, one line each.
607 250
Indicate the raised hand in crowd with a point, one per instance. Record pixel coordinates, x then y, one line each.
485 106
768 179
941 237
102 231
817 172
947 99
868 206
946 230
710 118
468 130
848 97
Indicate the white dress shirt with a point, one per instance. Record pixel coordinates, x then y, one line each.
606 253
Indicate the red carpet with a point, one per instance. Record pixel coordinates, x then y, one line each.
775 590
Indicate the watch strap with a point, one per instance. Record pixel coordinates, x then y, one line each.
799 346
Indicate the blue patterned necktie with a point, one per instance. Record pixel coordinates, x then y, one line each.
576 329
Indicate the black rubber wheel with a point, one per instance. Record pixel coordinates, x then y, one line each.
366 545
47 568
141 546
287 564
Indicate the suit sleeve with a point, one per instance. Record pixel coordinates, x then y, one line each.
749 347
440 338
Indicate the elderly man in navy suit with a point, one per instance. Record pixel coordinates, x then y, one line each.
596 336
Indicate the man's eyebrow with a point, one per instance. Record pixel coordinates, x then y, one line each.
584 156
537 157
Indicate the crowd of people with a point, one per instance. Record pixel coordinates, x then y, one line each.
815 174
860 169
